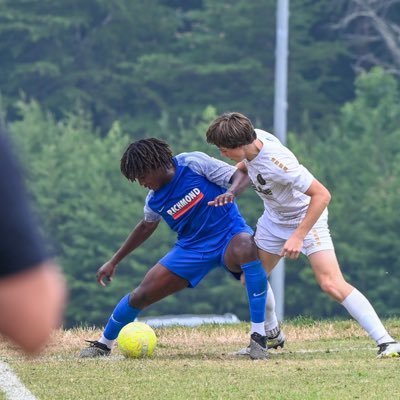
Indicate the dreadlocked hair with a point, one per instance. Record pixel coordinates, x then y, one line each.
144 156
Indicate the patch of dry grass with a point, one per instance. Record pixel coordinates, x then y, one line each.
195 339
321 360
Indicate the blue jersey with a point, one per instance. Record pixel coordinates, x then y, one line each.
182 203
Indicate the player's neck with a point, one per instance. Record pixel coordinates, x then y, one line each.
167 176
252 149
170 174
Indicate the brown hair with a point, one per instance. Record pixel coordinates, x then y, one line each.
231 130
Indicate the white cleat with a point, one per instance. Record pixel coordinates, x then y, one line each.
389 350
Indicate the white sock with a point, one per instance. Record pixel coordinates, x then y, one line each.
109 343
258 327
271 321
362 311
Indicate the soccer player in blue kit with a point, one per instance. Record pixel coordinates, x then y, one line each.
182 191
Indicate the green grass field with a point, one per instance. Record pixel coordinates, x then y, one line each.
321 360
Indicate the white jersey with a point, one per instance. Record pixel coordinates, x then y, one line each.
281 181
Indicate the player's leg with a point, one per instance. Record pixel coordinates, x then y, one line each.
241 255
269 247
330 278
328 275
158 283
275 336
269 261
271 320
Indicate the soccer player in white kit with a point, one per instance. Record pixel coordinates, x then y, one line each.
295 218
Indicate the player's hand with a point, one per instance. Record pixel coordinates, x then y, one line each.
106 271
292 248
222 200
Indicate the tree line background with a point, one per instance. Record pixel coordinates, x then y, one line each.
81 80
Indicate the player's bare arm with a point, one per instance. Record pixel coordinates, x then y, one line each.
320 198
239 182
241 166
142 231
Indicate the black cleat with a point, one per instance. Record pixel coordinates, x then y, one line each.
95 349
258 347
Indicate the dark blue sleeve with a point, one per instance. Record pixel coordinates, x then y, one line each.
21 246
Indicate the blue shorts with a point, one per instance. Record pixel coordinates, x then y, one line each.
194 265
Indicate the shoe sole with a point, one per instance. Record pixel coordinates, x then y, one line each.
246 352
389 355
257 357
277 346
258 353
242 353
93 355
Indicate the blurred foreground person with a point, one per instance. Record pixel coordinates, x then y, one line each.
32 288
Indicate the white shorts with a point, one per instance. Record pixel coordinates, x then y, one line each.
271 237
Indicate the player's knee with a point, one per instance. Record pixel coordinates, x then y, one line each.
330 287
140 298
245 251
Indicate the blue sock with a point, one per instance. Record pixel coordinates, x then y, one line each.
256 285
122 315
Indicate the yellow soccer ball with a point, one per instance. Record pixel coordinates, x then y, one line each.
137 340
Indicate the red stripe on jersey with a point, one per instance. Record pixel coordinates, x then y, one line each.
188 206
